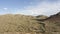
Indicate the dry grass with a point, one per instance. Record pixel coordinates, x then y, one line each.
23 24
19 23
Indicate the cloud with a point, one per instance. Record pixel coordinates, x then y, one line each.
36 7
5 8
44 8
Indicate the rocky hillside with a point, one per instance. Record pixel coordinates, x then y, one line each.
30 24
19 23
52 24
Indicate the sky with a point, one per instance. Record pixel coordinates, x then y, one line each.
30 7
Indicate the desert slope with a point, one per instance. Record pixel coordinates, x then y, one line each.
30 24
19 23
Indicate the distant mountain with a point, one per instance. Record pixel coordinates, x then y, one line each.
41 17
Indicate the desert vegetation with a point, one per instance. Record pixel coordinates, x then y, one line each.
22 24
